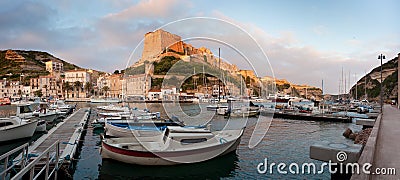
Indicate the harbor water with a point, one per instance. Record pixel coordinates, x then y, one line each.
287 141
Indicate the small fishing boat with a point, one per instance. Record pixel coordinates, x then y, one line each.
16 128
244 112
175 145
126 128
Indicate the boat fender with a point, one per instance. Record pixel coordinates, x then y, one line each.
222 140
32 155
69 143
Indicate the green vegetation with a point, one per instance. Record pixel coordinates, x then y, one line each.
388 84
135 70
282 87
156 83
33 67
162 67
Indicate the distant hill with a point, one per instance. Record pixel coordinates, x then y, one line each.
373 85
30 63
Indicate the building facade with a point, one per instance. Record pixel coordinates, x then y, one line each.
73 77
55 67
137 85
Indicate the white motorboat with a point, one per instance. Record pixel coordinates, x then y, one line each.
112 107
175 145
214 107
16 128
105 100
222 111
61 108
44 113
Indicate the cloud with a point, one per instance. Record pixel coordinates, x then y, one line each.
320 30
105 42
149 9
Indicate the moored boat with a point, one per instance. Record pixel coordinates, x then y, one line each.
16 128
105 100
44 113
112 107
126 128
215 107
5 101
175 145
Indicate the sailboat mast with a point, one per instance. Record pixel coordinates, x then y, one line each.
355 78
365 86
219 66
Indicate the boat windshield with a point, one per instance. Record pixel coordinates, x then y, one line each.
166 135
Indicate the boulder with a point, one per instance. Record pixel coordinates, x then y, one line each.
347 133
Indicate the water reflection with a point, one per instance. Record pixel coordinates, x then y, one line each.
223 166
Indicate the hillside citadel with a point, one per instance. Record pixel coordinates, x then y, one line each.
82 83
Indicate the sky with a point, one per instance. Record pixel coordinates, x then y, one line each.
303 41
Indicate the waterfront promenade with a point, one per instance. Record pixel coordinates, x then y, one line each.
387 148
382 148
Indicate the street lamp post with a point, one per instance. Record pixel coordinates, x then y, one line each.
381 57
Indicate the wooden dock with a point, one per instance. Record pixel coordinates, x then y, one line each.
311 117
68 133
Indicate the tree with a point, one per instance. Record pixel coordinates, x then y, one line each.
38 93
77 85
116 71
88 87
105 89
19 92
66 86
45 88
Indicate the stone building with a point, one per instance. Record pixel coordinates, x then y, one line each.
115 84
55 67
156 42
51 86
11 89
78 75
137 85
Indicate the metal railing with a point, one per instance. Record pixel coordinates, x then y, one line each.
7 155
49 158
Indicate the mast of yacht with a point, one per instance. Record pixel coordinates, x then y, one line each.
219 82
355 78
241 82
204 81
365 86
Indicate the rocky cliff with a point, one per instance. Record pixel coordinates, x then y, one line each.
371 82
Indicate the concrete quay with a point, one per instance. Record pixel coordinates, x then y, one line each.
382 148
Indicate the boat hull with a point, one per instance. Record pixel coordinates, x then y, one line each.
49 117
167 158
154 129
105 100
14 132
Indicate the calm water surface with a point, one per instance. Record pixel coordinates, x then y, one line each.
287 141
